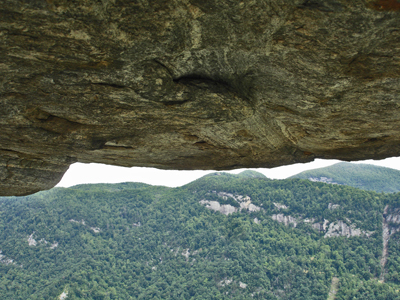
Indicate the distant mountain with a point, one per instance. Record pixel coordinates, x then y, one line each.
362 176
223 236
251 174
111 186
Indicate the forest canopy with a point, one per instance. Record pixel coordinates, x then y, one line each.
136 241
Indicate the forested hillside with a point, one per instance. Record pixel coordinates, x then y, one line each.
362 176
220 237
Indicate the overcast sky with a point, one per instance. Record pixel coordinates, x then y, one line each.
97 173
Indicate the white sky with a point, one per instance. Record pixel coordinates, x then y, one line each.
79 173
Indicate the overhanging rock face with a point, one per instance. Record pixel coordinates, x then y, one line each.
194 84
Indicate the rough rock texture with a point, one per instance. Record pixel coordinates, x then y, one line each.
318 226
390 225
322 179
340 228
193 84
280 206
333 206
281 218
226 209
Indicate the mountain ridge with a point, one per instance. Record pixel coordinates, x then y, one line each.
363 176
284 239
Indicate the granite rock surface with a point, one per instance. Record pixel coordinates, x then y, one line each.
194 84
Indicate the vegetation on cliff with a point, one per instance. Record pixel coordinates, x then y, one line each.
362 176
135 241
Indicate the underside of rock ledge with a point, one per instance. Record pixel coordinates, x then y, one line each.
193 84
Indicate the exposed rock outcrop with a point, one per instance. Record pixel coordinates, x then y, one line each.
5 260
393 217
279 205
226 209
390 225
334 229
94 229
281 218
249 206
192 84
333 206
31 240
318 226
64 295
340 228
385 243
225 282
322 179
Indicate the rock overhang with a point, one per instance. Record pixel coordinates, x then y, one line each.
194 85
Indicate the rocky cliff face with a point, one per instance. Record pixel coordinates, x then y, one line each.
244 203
340 228
281 218
191 84
390 225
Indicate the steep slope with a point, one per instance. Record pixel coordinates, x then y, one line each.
133 241
362 176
